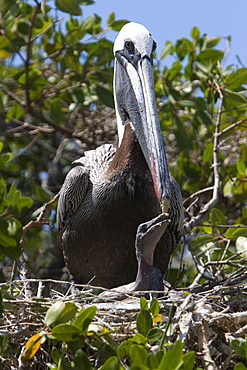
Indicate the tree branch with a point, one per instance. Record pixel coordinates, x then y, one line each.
38 221
195 221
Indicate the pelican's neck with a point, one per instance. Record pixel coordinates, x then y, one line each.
144 275
129 156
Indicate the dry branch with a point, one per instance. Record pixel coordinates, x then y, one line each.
205 322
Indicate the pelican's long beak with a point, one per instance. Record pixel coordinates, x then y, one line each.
135 102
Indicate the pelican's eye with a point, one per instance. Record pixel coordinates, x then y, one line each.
154 46
129 45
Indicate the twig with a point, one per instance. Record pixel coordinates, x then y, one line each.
12 96
232 126
224 226
24 125
198 193
203 339
234 108
207 207
29 146
24 275
38 221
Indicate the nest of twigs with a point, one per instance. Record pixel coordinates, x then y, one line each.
206 320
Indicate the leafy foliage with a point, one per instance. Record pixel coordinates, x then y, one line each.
56 102
57 84
240 348
79 332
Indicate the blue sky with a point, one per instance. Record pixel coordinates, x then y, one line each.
173 19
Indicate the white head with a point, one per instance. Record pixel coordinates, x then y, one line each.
135 100
140 36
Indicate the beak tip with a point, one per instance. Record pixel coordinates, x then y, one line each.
165 205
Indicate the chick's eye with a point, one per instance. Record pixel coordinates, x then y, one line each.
154 46
129 45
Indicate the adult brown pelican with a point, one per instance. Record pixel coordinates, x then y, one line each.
113 190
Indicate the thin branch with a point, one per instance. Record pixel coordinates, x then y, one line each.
29 146
207 207
228 226
13 96
38 221
24 125
46 29
51 95
25 275
232 126
198 193
235 108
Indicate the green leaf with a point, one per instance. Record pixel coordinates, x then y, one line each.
110 19
144 303
4 158
86 2
168 49
56 355
23 28
241 191
210 55
84 318
87 24
240 366
69 6
210 43
68 313
81 360
12 191
239 346
172 359
217 217
152 362
192 170
54 312
207 229
124 348
234 233
111 363
183 45
236 79
56 110
138 354
207 155
66 332
105 96
13 226
154 307
195 33
201 241
187 103
154 335
117 25
144 322
15 111
24 203
188 361
233 99
33 75
6 240
241 167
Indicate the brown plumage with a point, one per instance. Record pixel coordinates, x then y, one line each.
112 191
